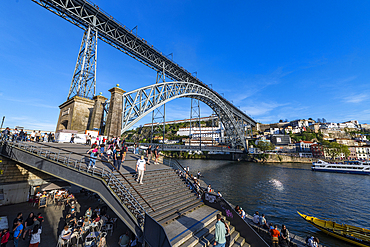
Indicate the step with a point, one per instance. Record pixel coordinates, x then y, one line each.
160 184
159 194
209 239
234 236
193 240
172 207
189 225
240 242
147 180
151 190
152 198
155 193
184 211
150 173
167 199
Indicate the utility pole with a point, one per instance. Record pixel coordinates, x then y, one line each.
2 122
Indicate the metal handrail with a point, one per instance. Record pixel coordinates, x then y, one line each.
77 164
180 167
106 161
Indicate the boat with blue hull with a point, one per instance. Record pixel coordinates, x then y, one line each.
352 167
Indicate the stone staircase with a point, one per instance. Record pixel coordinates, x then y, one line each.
197 229
187 221
166 193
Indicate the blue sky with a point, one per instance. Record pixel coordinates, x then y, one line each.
274 59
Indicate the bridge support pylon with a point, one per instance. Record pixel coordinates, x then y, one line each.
114 118
76 112
97 114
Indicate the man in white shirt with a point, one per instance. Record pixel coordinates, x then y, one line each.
140 168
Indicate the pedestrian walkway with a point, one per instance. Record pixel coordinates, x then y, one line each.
128 166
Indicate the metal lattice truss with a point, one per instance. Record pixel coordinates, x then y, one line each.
142 101
84 76
85 14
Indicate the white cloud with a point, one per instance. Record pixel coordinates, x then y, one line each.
29 123
257 84
30 102
356 98
261 109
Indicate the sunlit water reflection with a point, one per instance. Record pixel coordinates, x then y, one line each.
280 190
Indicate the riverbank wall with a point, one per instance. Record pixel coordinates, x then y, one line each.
277 158
260 158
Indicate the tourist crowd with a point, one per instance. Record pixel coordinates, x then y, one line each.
279 238
30 228
20 135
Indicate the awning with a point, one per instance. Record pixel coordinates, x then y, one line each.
54 185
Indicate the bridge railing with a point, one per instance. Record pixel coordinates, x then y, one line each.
175 164
174 147
67 158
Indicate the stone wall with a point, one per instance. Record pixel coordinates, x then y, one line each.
276 158
16 181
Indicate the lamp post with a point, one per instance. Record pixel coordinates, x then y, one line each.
2 122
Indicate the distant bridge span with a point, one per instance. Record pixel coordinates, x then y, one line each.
140 102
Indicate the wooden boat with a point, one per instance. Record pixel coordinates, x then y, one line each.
352 234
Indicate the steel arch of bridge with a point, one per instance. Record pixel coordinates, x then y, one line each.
142 101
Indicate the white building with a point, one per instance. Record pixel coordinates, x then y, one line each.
329 126
363 153
215 133
301 123
347 125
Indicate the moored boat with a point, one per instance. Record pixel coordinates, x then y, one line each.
354 167
352 234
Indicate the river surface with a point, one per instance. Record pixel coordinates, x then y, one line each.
280 190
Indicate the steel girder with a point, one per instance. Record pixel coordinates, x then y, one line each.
140 102
84 76
84 14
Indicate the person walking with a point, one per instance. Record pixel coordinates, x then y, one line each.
38 136
156 155
28 225
17 232
93 155
118 156
284 234
35 237
4 237
275 234
220 233
72 138
149 154
88 140
15 134
33 136
6 133
124 150
227 236
140 168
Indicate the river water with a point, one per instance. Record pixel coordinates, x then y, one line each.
280 190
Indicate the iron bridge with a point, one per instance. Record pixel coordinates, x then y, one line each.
140 102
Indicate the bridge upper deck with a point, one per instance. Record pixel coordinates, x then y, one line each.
76 151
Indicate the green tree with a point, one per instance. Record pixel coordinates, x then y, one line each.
264 146
334 149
